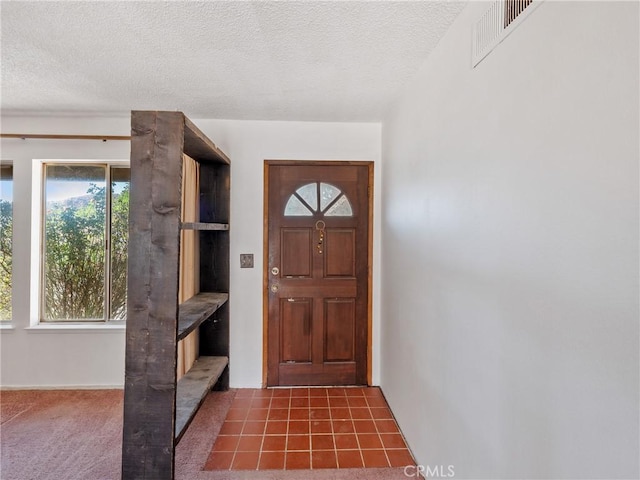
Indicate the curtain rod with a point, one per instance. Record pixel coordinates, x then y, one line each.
25 136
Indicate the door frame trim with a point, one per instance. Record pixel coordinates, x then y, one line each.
265 256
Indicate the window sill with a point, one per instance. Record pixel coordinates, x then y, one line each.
7 327
76 328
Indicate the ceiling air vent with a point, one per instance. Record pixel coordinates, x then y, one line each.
497 23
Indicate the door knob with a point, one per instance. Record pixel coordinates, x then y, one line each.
275 287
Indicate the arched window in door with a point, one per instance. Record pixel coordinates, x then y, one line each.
318 197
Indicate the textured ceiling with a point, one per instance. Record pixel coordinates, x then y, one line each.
270 60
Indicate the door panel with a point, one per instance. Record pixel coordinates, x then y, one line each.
296 252
317 274
296 330
339 331
340 260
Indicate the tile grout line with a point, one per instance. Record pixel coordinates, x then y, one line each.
353 424
333 433
364 396
310 433
244 421
264 433
375 424
286 436
395 422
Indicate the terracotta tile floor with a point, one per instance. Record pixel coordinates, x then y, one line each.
308 428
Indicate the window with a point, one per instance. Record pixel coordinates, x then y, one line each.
6 239
306 199
85 232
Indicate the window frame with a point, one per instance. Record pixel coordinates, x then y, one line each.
8 322
319 211
38 256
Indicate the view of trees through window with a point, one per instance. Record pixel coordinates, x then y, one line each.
6 239
85 242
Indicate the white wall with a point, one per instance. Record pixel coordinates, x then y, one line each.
248 144
48 358
510 249
89 358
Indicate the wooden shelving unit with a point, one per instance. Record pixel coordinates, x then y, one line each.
157 407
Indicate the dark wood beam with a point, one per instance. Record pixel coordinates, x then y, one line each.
152 308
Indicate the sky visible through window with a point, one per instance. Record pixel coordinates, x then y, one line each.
6 190
57 190
60 190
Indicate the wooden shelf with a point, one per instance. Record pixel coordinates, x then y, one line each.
197 309
193 387
204 226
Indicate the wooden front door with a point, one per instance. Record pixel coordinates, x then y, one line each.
317 274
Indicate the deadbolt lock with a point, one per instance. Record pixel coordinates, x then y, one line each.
275 271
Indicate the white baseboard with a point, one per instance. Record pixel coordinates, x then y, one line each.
61 387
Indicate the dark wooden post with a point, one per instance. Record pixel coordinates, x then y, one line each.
152 306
